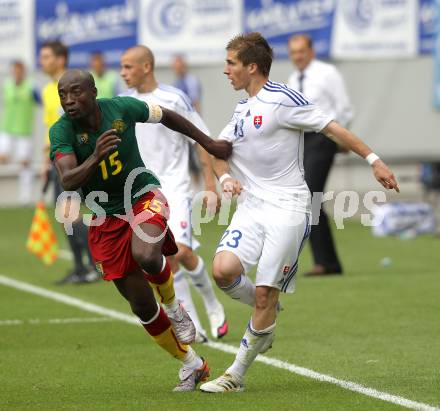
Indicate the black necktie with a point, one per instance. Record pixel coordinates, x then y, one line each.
300 82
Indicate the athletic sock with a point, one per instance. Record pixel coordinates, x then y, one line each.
25 178
163 285
159 327
200 279
192 360
183 294
243 290
251 344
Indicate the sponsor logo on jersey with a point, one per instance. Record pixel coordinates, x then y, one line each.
258 121
83 138
118 125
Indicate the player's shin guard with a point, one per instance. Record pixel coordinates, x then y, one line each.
251 345
163 283
200 279
159 327
243 290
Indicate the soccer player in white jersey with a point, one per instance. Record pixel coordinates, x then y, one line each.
168 158
272 222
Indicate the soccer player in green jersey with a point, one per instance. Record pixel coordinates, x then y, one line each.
93 146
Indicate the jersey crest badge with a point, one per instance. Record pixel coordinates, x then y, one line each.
118 125
184 224
286 269
83 138
258 121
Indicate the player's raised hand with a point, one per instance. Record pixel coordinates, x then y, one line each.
221 149
231 187
384 175
106 143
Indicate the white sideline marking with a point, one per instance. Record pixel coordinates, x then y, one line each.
35 321
305 372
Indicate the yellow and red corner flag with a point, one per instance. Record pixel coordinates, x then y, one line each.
42 240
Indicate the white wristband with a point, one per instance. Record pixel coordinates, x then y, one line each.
154 113
371 158
224 177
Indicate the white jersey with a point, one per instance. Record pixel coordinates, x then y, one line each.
267 133
164 151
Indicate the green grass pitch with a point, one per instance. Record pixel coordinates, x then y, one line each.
376 326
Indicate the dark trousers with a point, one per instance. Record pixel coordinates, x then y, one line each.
319 153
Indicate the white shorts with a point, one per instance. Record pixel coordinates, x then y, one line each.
16 148
270 237
180 219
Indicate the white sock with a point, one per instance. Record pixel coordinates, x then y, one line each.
192 360
183 294
243 290
25 178
200 279
251 344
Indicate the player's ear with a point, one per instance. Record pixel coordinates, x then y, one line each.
94 91
252 68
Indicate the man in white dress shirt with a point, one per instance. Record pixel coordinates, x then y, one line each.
323 85
166 153
270 225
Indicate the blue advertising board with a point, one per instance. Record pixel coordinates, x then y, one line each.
108 26
427 25
277 20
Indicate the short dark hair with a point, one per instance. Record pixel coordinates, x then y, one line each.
58 48
252 48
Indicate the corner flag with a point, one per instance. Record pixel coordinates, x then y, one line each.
41 240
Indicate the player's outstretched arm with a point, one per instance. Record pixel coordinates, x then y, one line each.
230 185
218 148
74 176
346 138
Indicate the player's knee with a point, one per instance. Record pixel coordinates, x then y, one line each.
222 272
185 255
145 310
149 258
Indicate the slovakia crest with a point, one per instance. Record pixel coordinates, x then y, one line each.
183 224
258 121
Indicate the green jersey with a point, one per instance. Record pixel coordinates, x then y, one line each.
121 114
106 84
19 107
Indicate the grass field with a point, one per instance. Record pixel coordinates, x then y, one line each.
376 326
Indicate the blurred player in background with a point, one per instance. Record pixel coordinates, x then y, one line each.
106 81
94 148
17 127
270 225
323 85
166 153
187 82
191 86
53 61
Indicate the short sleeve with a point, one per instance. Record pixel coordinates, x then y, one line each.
135 109
61 141
233 129
307 117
